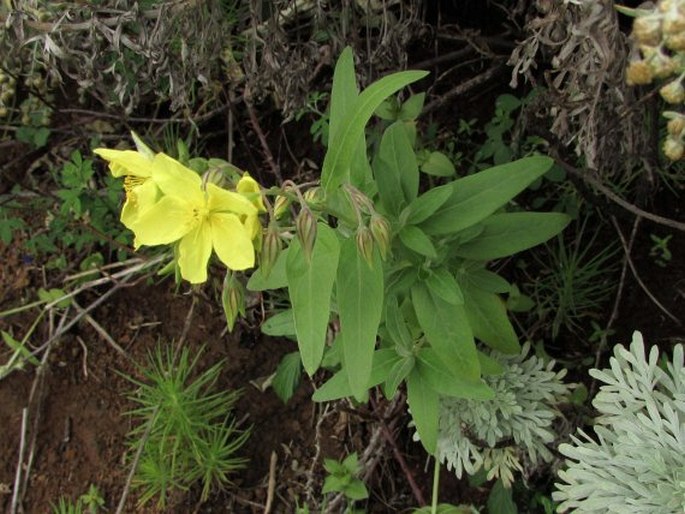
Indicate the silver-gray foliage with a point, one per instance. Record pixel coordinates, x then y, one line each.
636 464
475 433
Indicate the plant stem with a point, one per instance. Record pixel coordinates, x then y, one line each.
436 482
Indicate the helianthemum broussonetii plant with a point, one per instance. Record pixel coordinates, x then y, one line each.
168 203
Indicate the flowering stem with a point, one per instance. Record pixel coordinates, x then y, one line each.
436 483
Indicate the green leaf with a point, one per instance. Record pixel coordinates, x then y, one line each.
287 377
396 325
277 279
447 329
360 304
412 107
51 295
488 318
415 239
310 287
507 234
338 386
395 169
344 91
443 284
423 206
342 144
500 500
424 404
281 324
18 348
487 280
444 382
489 366
356 490
398 373
438 165
477 196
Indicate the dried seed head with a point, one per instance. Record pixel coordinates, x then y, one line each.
638 73
676 126
673 92
647 30
673 149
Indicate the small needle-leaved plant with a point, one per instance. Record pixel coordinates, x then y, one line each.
510 431
635 462
185 427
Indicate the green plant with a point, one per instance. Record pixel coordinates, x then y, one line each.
184 428
509 431
342 478
635 463
659 251
575 282
406 267
88 503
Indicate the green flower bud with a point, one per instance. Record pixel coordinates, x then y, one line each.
305 226
313 196
673 149
232 299
281 205
365 244
271 249
380 228
673 92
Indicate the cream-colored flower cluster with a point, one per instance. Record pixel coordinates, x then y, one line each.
168 203
660 34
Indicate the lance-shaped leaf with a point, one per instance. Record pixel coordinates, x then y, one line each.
424 405
341 146
344 91
359 290
488 318
395 169
447 329
507 234
310 286
443 382
477 196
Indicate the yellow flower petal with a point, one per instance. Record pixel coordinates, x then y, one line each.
166 221
220 200
176 180
126 162
194 252
138 199
232 242
250 188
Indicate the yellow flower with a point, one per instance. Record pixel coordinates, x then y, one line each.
249 187
136 168
201 220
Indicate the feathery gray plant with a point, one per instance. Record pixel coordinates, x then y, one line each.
636 465
502 433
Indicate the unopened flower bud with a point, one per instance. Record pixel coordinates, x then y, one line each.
232 299
673 92
380 228
676 125
662 65
673 149
281 205
213 176
647 29
305 226
365 244
313 196
359 199
638 73
271 249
